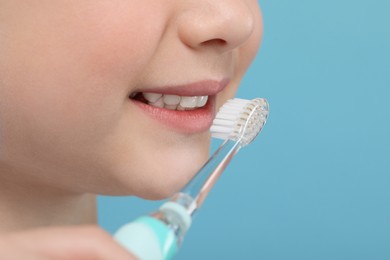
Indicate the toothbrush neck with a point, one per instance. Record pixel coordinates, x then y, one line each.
196 191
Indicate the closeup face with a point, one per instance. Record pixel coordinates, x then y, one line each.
116 96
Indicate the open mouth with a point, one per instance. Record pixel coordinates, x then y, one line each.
171 102
183 114
186 108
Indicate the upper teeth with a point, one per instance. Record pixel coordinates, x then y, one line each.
174 102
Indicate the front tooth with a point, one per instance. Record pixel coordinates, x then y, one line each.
170 107
171 99
180 108
158 103
188 102
152 97
202 100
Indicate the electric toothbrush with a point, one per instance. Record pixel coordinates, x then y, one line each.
159 235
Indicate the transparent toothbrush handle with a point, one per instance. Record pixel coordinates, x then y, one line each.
200 185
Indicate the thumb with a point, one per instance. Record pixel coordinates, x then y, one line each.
85 242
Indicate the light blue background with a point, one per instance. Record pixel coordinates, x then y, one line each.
316 183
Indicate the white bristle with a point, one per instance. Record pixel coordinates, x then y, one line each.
240 119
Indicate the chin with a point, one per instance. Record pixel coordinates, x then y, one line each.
158 176
171 178
157 183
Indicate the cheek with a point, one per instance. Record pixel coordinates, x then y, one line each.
65 75
120 44
63 84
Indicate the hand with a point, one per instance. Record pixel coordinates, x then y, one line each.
60 243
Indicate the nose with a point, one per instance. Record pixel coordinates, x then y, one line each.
220 24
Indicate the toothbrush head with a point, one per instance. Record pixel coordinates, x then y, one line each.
240 120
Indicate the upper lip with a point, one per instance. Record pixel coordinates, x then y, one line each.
199 88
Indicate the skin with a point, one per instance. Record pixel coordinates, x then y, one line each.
67 128
87 242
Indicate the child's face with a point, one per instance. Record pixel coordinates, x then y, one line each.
68 67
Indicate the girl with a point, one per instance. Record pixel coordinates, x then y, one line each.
109 97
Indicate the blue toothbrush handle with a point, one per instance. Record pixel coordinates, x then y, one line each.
155 237
148 238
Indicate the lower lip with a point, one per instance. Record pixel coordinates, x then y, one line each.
188 121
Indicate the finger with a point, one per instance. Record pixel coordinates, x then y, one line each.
87 242
12 251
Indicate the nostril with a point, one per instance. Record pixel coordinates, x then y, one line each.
216 42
